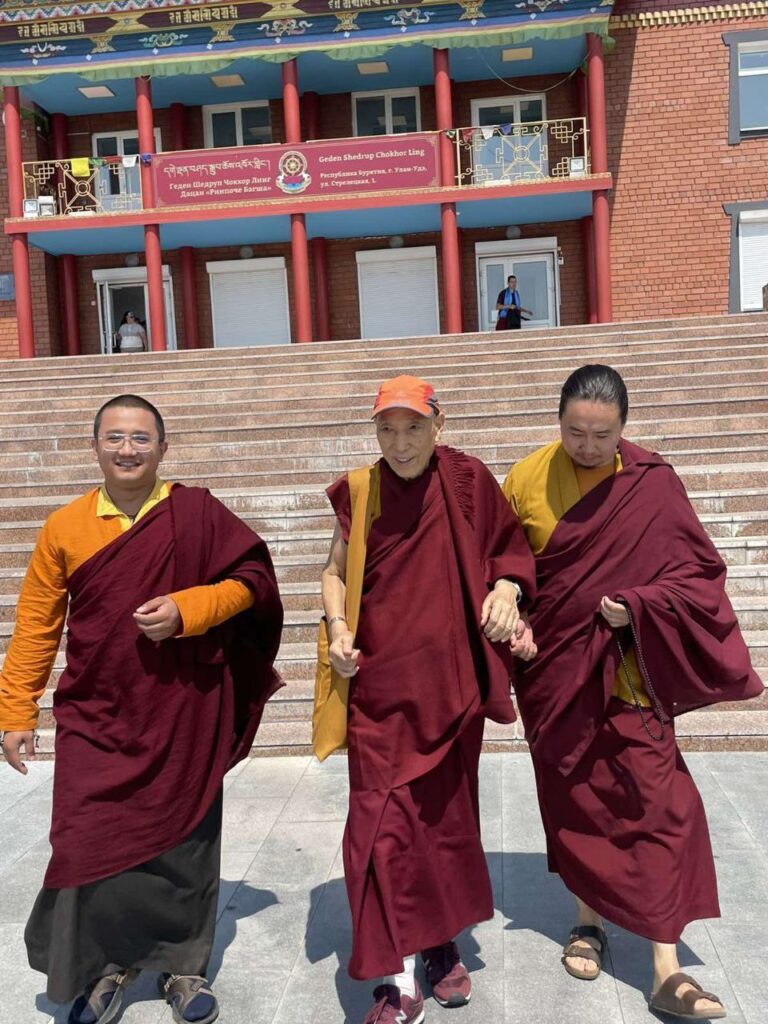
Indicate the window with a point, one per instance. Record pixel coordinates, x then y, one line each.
386 113
749 255
237 124
119 183
515 151
753 88
748 85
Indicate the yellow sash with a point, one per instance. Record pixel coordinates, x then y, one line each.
329 718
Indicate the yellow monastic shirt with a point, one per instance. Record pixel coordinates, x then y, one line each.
69 537
542 488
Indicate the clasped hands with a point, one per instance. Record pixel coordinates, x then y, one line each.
500 621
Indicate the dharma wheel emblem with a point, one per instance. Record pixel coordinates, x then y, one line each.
293 176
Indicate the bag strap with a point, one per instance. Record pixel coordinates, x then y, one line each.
365 499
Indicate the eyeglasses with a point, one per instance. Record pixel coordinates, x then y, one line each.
114 442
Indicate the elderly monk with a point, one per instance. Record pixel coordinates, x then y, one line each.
446 565
174 622
633 628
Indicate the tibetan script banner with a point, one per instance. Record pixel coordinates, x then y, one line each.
337 167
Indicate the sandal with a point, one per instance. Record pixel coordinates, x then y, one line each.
585 931
101 1001
190 998
665 1000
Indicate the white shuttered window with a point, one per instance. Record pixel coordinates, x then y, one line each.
398 292
249 302
753 255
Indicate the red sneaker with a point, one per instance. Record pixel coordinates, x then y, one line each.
449 978
392 1007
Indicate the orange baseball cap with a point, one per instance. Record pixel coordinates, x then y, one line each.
406 393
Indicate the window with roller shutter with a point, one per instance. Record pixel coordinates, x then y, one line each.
398 292
249 302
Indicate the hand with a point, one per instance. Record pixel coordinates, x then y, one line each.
615 614
343 656
499 615
522 645
12 744
159 618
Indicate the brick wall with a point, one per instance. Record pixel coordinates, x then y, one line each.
667 99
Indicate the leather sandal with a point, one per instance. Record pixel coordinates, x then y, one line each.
190 998
102 1000
585 931
665 1000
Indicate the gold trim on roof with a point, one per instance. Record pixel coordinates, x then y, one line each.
690 15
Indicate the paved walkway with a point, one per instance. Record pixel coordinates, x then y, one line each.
284 933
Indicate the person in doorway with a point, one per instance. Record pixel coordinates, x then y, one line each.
633 627
446 565
131 336
173 625
509 308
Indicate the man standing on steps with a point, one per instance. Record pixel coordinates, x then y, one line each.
508 307
445 567
174 622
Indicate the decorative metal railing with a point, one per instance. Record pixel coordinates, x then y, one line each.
528 151
81 186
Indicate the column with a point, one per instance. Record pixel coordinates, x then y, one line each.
590 284
152 251
319 251
310 111
299 251
66 263
179 141
599 165
19 245
448 223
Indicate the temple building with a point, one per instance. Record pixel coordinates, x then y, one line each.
273 171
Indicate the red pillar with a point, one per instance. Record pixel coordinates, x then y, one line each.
299 251
19 246
189 295
70 304
588 245
59 132
179 141
449 226
599 165
152 251
319 249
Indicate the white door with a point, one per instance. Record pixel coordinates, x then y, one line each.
398 292
118 291
536 283
249 302
753 257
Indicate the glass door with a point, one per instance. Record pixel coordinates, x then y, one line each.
510 143
116 298
536 284
118 182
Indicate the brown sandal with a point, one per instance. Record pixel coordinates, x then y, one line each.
665 1000
585 931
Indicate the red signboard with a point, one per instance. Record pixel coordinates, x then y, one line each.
338 167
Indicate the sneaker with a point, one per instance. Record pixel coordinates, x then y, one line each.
392 1007
102 999
190 998
449 978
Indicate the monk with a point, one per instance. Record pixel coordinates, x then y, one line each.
633 628
446 565
173 625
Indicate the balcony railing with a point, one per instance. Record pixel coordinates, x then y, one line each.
506 154
509 154
81 186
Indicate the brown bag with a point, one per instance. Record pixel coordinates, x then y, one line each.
329 717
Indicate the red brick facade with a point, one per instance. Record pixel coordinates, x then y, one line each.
667 119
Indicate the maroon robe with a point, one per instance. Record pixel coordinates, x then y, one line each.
625 824
145 731
413 860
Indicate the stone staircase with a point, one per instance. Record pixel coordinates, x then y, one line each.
267 429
